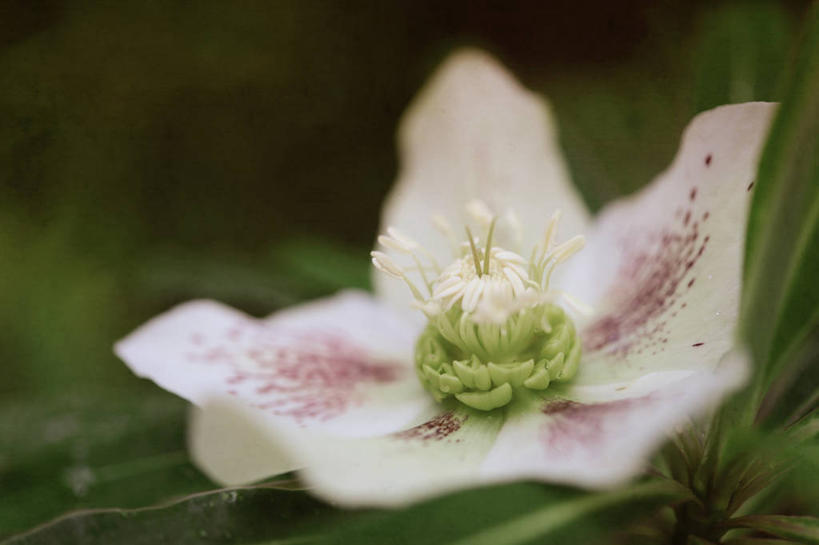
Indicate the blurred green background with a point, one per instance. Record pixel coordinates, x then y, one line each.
156 151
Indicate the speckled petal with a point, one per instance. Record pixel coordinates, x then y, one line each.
341 364
600 436
444 451
475 133
663 268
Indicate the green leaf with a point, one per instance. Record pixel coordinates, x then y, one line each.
800 529
781 296
325 265
235 515
740 51
618 128
756 541
800 381
118 449
510 514
251 284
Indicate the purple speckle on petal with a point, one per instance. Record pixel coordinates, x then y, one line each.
574 426
437 429
708 160
304 375
697 345
655 268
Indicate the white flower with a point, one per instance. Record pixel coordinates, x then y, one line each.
328 388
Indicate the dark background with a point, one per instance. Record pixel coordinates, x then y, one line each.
152 152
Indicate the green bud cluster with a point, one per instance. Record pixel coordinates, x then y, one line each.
483 365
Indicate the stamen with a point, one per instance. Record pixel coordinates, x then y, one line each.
480 212
422 273
495 326
561 253
402 239
398 241
385 264
517 285
511 257
578 305
391 243
440 223
551 232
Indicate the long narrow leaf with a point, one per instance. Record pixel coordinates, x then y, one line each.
512 514
800 529
229 516
781 295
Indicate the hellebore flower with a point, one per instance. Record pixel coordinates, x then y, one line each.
483 368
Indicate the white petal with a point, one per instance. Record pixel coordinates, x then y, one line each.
601 436
663 268
340 364
476 133
443 452
232 443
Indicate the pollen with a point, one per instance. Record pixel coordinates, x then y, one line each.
496 327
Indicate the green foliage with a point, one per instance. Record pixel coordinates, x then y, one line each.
739 472
234 515
781 295
510 514
68 452
798 529
156 152
275 513
741 53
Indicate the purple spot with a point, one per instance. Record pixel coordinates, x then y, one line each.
651 275
440 427
298 374
691 282
559 406
708 160
697 345
750 186
693 194
577 426
706 215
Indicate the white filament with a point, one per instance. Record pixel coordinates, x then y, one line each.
508 285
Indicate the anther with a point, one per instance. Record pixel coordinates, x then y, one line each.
479 212
385 264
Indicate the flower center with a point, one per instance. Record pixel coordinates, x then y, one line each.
495 327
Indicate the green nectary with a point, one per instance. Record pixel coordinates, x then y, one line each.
483 365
